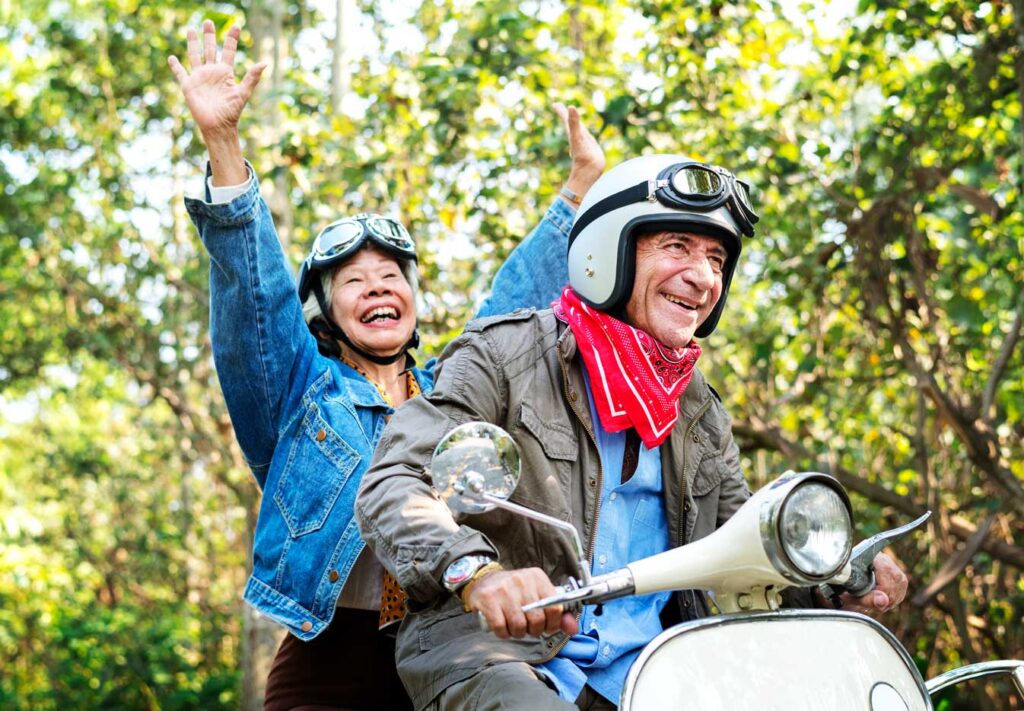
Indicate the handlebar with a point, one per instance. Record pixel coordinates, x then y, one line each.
862 570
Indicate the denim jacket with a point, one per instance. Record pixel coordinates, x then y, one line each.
308 424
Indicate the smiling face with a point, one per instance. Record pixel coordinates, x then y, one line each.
678 282
372 302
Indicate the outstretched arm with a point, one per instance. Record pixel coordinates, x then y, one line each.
216 100
536 271
261 345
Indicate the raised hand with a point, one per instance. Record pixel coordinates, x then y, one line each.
586 153
214 97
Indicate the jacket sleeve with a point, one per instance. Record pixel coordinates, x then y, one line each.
535 272
260 340
401 518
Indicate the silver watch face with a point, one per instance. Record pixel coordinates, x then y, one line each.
462 570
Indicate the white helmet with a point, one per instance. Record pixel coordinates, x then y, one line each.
656 192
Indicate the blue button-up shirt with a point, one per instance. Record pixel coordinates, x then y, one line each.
632 524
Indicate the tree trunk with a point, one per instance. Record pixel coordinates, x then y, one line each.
260 636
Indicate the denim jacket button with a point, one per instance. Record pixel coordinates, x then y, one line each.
321 435
333 575
306 626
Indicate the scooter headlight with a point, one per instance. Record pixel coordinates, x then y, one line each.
815 530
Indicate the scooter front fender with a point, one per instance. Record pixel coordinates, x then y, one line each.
791 659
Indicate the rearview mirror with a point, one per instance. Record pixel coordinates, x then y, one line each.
473 463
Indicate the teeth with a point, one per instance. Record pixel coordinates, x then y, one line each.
682 303
381 312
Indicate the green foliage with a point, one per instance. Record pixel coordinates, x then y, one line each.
863 327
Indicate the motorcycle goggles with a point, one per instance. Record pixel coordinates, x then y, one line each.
698 186
344 236
689 186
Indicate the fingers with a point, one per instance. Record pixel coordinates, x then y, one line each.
495 616
209 42
251 79
890 579
572 124
193 49
559 108
569 623
179 71
227 55
500 597
553 619
873 603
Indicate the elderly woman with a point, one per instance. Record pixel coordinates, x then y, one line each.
310 379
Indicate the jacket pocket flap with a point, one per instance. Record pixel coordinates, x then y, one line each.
710 473
556 439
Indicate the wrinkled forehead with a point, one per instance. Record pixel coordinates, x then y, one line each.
368 256
662 238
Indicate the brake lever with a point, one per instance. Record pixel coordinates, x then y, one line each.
862 570
616 584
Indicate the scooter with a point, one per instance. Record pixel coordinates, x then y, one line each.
796 531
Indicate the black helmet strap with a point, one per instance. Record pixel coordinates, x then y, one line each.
330 329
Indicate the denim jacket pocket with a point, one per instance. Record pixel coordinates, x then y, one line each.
318 466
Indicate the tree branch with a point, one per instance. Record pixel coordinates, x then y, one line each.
999 367
772 439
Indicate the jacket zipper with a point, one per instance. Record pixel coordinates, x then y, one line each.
597 509
681 539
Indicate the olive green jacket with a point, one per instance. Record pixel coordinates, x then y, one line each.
520 371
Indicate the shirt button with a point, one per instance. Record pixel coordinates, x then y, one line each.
686 602
696 438
321 435
613 496
602 559
333 575
686 506
572 396
607 651
592 483
306 626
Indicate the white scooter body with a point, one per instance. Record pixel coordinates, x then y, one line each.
788 659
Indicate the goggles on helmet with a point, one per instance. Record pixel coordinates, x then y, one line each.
344 236
698 186
690 186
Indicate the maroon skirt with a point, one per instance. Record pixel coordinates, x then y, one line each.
350 665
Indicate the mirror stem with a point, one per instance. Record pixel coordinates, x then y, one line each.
581 556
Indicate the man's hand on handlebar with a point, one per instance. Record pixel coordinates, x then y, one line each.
499 597
889 591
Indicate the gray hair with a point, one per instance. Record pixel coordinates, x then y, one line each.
311 307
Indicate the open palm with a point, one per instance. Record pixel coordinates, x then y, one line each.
213 96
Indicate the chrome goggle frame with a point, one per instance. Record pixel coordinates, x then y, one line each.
343 236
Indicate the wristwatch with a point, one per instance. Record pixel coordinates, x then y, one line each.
459 572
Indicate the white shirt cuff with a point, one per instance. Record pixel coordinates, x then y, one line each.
223 194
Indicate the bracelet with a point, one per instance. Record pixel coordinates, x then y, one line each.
570 196
481 573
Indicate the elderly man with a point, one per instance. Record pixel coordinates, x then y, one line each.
619 432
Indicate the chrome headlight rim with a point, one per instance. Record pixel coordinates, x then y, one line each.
771 520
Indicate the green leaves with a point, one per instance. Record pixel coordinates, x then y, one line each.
865 320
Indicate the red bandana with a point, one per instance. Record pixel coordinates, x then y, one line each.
635 381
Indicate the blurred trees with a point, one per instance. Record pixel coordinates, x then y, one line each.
873 330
